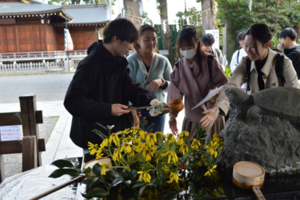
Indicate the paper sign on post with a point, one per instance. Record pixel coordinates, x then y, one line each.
210 95
8 133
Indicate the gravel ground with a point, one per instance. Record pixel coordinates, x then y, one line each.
13 162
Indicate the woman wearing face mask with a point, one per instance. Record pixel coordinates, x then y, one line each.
261 63
191 79
152 71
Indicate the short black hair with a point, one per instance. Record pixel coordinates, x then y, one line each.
208 39
241 36
122 28
289 32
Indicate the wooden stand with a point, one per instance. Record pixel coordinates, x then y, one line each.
31 146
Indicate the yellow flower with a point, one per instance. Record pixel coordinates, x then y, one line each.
171 155
211 171
180 139
93 151
195 144
171 137
166 169
127 131
126 148
184 148
91 145
151 139
117 155
212 148
104 143
173 177
145 176
114 138
102 165
99 153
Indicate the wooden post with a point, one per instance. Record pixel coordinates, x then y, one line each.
29 120
29 153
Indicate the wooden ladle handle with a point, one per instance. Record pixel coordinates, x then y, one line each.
258 193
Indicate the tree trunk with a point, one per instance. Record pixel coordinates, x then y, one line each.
231 42
298 32
166 37
209 14
132 12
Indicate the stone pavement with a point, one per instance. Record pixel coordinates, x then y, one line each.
59 144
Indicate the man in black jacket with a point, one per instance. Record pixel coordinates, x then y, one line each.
101 87
288 41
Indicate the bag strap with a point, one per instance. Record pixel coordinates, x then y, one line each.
279 66
248 68
209 64
237 58
151 66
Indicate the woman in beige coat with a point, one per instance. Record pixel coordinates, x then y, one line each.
191 79
263 74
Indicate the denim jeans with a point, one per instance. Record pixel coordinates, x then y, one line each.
158 121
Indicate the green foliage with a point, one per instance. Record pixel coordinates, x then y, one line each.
228 72
194 16
278 17
146 19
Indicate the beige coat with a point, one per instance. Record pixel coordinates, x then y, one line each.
270 78
194 86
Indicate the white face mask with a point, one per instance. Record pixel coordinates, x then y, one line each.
188 54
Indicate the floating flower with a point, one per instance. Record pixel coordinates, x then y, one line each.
212 148
151 139
180 138
114 138
91 145
211 171
104 143
184 148
155 102
171 156
154 112
126 148
173 177
99 153
145 176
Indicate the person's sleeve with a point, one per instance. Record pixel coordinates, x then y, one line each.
131 67
167 72
173 91
76 101
289 74
237 79
233 62
133 92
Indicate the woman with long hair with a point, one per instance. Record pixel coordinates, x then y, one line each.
152 71
193 76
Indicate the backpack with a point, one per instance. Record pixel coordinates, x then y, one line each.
278 69
209 64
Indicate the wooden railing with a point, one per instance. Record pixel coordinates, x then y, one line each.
31 146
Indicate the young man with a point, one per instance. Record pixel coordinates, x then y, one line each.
208 41
288 41
101 87
238 54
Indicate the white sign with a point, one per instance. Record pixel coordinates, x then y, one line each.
215 33
8 133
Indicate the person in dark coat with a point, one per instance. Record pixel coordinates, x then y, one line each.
288 41
101 87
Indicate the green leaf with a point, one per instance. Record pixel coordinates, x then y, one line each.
87 171
162 144
186 154
103 136
59 172
89 181
173 147
97 169
138 184
62 163
113 173
102 127
159 151
132 174
97 192
117 181
141 191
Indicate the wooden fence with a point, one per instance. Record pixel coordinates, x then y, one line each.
31 146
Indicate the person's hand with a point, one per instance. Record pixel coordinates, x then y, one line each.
119 109
155 84
280 46
166 109
173 124
226 63
209 116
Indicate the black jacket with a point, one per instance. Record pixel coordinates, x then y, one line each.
294 55
101 80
